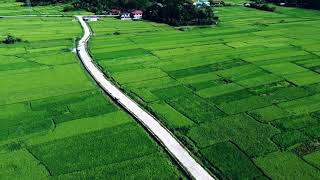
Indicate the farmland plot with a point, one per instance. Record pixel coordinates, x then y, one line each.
11 7
243 96
55 123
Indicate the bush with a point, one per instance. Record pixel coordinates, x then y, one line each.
11 39
265 7
260 6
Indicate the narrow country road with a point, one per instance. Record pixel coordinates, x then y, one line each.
177 151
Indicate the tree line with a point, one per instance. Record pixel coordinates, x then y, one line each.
172 12
179 13
311 4
101 6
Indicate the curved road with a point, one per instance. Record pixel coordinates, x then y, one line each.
177 151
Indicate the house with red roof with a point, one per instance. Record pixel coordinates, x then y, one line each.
136 14
115 12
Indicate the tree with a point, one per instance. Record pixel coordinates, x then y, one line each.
179 12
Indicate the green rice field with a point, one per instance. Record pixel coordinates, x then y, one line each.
243 96
55 123
13 8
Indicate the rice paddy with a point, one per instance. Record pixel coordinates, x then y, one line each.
242 96
55 123
13 8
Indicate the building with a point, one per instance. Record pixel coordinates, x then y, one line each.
201 3
125 16
136 14
90 18
217 3
115 12
246 4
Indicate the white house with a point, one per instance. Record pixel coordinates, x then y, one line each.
201 2
136 14
91 18
125 16
217 3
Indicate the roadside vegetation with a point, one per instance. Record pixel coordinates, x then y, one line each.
55 123
242 96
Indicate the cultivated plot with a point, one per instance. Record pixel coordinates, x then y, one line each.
55 123
14 8
243 96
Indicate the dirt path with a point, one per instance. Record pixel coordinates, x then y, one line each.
177 151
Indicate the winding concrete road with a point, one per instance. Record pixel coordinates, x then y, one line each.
177 151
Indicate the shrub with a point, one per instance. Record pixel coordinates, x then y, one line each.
265 7
260 6
11 39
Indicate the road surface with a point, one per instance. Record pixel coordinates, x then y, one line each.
176 150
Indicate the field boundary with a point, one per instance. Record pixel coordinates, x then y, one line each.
170 143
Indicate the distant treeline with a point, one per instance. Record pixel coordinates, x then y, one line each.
100 6
172 12
179 12
311 4
94 5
